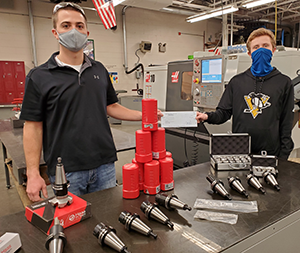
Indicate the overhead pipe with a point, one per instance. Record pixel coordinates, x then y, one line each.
32 33
294 36
298 38
124 37
125 45
276 20
231 31
224 34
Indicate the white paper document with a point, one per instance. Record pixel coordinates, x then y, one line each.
179 119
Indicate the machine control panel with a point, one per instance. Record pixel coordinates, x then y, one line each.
208 84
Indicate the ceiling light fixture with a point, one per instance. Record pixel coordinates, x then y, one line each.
252 4
214 13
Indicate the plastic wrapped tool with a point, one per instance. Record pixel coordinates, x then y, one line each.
235 206
216 216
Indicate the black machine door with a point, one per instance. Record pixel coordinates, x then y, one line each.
179 86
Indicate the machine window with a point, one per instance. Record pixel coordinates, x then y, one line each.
186 85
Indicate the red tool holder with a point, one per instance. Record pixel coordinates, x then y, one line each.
130 181
151 178
149 175
166 174
143 146
149 114
158 144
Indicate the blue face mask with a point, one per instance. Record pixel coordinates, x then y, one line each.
261 62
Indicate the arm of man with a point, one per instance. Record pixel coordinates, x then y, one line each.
286 124
32 141
120 112
200 117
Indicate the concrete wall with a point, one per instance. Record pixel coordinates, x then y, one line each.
141 24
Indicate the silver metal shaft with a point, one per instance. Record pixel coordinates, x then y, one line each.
270 179
254 182
218 187
113 241
235 184
56 241
142 228
106 235
133 222
152 211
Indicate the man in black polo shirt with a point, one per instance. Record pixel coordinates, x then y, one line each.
66 103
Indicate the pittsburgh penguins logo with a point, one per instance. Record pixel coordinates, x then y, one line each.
256 103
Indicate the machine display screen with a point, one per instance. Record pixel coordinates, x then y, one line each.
211 71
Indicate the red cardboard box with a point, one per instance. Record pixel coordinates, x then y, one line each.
41 214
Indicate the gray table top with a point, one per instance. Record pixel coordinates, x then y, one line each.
13 141
189 235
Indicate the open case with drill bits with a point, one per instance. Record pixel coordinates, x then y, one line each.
230 151
262 163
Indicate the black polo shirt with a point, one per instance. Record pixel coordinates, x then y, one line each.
72 107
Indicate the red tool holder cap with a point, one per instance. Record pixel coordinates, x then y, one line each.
158 143
143 146
168 154
151 178
130 174
149 114
166 174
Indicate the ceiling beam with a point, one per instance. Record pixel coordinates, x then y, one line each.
284 10
291 16
272 4
188 5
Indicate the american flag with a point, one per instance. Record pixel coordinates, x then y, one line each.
106 12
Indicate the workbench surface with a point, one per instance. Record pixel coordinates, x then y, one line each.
189 235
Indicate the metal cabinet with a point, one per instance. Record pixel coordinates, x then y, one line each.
12 81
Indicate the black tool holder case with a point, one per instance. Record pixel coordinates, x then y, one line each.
262 163
230 151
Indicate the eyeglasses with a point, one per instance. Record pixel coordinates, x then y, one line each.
66 4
